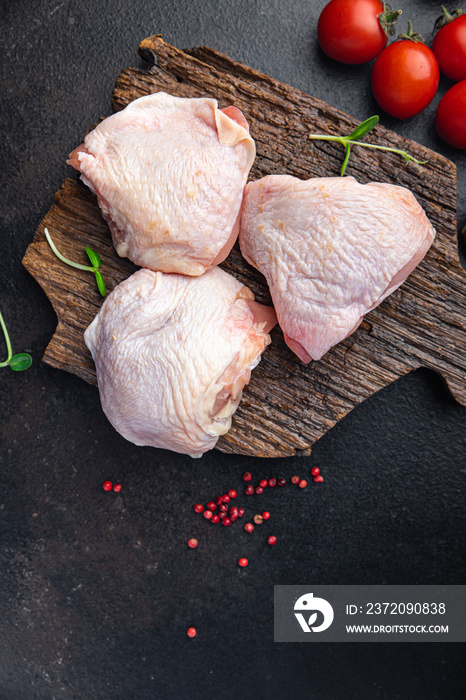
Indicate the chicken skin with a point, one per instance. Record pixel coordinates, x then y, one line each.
169 175
331 250
173 354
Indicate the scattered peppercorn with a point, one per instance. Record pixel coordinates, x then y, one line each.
222 515
266 515
223 508
243 562
226 521
219 500
198 508
272 539
281 481
192 631
107 486
192 543
241 512
232 493
315 471
258 519
211 506
207 514
272 483
294 479
263 483
259 490
117 488
234 511
214 519
318 479
249 527
249 490
302 484
247 476
226 498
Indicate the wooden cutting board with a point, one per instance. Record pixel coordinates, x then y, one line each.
287 405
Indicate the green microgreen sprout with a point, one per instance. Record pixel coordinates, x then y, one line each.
358 133
18 362
93 267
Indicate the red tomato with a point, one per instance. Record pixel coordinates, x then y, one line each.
405 78
450 118
349 30
449 46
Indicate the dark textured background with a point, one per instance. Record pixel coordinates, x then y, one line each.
97 590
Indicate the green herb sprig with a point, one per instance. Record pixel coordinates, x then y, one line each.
18 362
93 267
359 133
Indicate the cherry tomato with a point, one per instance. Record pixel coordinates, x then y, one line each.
449 46
450 118
350 30
405 78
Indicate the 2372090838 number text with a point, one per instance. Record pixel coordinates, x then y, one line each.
405 609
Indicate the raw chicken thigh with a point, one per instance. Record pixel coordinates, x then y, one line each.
169 174
331 250
173 354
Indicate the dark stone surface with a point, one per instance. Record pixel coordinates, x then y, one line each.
97 589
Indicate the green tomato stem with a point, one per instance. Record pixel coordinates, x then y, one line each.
7 341
412 35
61 257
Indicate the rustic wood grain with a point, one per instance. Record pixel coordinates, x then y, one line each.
287 405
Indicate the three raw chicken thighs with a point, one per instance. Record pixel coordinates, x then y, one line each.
175 344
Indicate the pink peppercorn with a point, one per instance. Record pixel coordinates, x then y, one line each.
215 518
241 512
219 500
226 498
302 484
223 508
243 562
266 515
272 539
117 488
192 543
294 479
318 479
107 486
263 483
232 493
222 515
281 481
247 476
211 506
249 490
226 521
315 471
259 490
249 527
272 483
207 514
191 632
198 508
